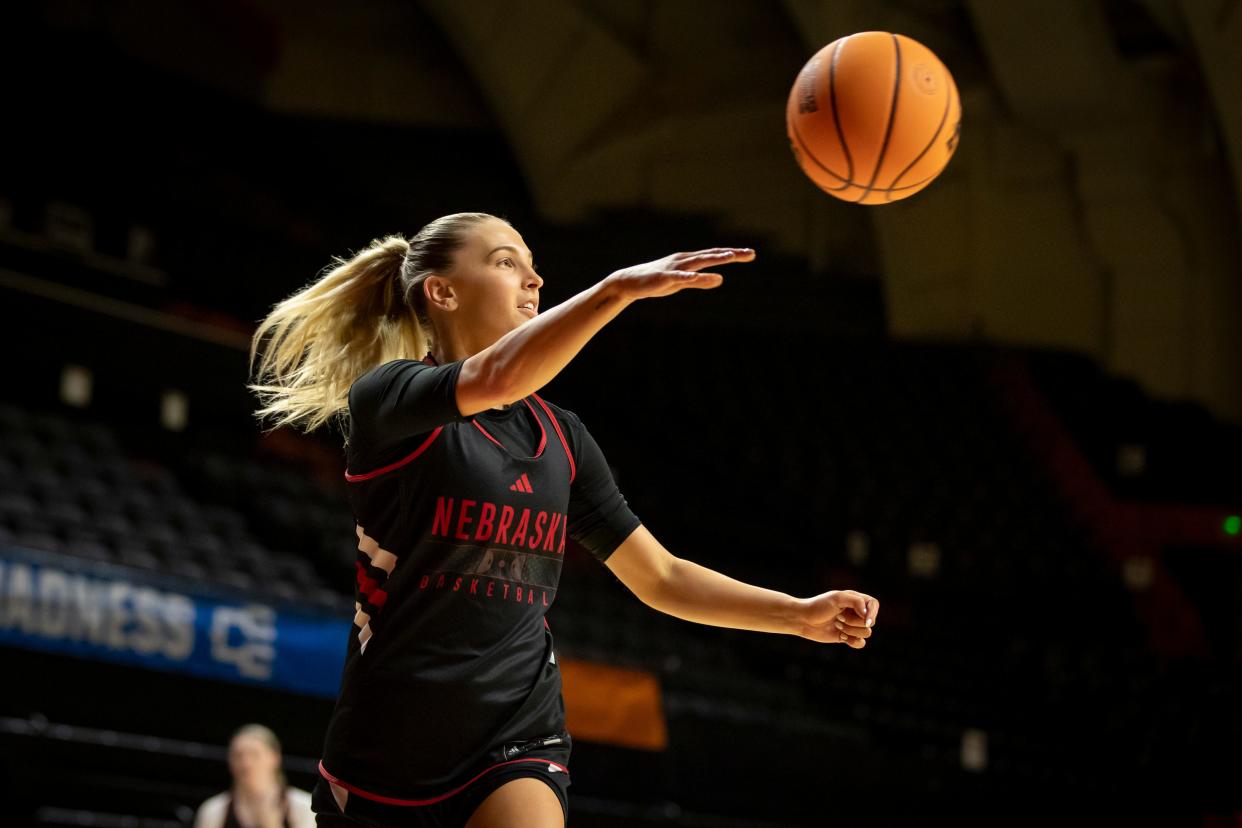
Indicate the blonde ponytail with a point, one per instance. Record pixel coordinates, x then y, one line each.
330 332
363 312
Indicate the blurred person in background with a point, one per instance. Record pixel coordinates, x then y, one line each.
464 484
260 797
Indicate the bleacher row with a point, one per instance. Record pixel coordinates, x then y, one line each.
892 471
824 463
67 486
1147 449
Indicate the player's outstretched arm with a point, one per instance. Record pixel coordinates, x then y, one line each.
528 357
695 593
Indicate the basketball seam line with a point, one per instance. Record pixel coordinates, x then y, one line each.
871 190
888 130
944 116
802 146
836 119
848 182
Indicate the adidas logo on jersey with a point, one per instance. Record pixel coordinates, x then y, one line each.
522 484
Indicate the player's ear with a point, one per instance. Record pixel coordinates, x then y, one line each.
439 292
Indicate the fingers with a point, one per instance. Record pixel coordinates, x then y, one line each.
862 607
854 627
691 279
830 634
852 618
744 252
826 634
852 630
714 256
679 270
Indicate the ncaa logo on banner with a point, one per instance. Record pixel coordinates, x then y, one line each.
245 637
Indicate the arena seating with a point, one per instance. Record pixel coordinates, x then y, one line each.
1146 449
767 430
68 487
866 465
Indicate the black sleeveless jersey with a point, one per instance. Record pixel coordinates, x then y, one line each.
462 525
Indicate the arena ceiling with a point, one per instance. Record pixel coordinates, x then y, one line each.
673 104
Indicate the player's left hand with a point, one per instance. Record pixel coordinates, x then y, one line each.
841 616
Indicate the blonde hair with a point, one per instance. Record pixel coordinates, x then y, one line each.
361 313
268 737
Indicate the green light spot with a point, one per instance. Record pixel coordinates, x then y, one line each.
1233 524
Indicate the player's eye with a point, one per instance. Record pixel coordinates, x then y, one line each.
510 261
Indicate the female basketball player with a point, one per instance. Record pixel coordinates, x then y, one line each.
465 483
259 797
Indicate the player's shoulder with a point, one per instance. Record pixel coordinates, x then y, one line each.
300 813
386 369
298 798
220 800
379 381
213 810
564 415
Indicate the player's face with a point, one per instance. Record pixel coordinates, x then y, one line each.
252 763
495 282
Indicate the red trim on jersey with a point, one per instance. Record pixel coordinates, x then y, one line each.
369 587
485 434
357 478
388 800
573 468
543 432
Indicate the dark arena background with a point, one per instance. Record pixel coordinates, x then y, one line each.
1009 407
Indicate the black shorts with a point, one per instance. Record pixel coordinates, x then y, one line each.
450 810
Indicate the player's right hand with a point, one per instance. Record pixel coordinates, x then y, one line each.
677 271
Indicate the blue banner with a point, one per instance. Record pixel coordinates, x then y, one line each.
62 604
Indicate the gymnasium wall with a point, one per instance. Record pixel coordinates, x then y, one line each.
1092 205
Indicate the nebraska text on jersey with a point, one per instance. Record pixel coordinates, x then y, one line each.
487 522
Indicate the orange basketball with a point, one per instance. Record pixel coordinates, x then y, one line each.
873 117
